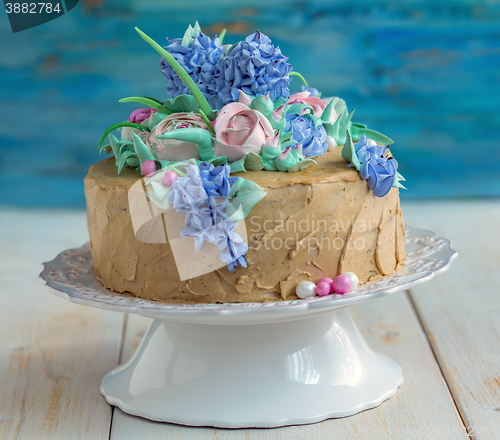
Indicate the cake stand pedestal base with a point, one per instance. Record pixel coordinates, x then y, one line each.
262 375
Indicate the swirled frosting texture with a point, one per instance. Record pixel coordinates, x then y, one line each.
256 67
377 168
317 222
305 132
198 60
240 130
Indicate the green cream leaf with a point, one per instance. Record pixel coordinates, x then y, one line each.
263 105
253 162
123 159
250 162
222 35
115 145
216 161
142 152
238 166
190 34
339 105
349 152
399 178
358 125
358 130
279 102
133 162
328 128
302 165
125 146
155 119
118 125
317 121
107 149
284 163
286 137
199 136
327 112
269 155
124 152
244 195
182 104
153 103
297 108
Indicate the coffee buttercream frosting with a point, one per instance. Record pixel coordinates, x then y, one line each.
314 223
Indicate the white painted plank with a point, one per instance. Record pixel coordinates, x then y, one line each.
53 354
460 310
422 408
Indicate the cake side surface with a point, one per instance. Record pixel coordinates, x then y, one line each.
315 223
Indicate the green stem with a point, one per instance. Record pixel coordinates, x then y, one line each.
121 124
153 99
207 121
183 75
298 75
153 103
222 35
232 47
175 170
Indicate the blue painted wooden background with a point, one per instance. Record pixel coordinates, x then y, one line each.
426 73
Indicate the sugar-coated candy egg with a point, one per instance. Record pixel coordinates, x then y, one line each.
327 280
169 177
341 284
370 143
305 289
323 288
353 278
148 167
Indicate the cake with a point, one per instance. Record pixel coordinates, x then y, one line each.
235 189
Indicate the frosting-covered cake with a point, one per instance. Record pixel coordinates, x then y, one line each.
236 189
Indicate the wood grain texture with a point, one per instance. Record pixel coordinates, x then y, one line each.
460 310
424 73
53 354
422 408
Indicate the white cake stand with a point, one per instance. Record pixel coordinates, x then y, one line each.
250 364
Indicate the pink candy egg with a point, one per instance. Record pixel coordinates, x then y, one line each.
327 280
169 177
341 284
323 288
148 167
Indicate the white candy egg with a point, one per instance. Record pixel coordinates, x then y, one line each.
305 289
331 143
370 143
353 278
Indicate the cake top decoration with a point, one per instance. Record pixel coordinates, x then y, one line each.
231 106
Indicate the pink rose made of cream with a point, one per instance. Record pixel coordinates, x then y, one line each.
173 149
240 130
316 103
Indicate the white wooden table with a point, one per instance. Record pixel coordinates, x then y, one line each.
445 334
